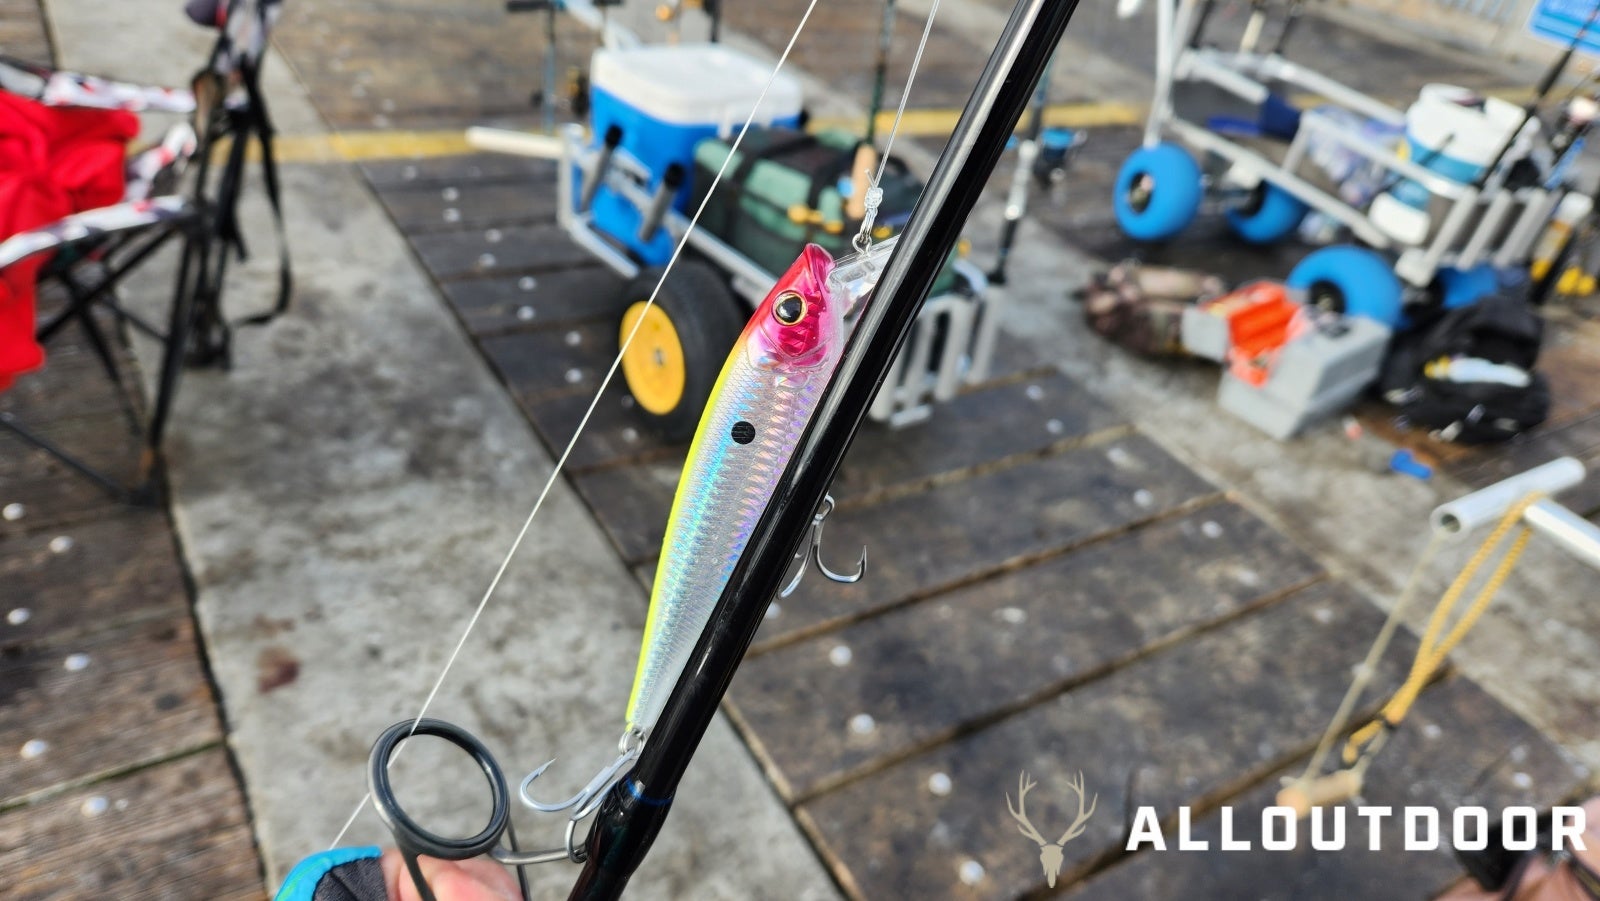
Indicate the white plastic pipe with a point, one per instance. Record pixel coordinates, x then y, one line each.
515 143
1489 504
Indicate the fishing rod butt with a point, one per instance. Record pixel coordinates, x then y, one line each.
624 828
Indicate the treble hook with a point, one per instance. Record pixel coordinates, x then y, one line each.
813 554
588 799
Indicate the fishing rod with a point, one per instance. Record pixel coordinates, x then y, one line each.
880 72
1017 194
1546 84
631 797
634 809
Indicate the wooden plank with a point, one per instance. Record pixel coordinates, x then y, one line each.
1579 438
632 503
1570 359
175 830
1459 747
926 671
93 575
932 541
616 432
1188 725
445 171
71 384
521 249
102 703
470 204
551 299
979 427
924 541
51 495
548 363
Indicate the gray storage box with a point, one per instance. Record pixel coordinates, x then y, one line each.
1316 376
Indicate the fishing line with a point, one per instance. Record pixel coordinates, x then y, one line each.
875 193
604 384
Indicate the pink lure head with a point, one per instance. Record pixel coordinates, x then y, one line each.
795 326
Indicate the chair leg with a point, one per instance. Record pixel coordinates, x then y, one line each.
9 422
179 327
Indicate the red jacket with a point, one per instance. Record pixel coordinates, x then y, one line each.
53 162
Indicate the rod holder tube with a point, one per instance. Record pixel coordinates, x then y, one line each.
596 176
1486 505
1576 535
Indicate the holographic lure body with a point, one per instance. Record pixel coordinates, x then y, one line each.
767 392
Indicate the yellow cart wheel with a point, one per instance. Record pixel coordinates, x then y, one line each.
680 343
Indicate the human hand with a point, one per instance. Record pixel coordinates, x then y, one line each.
478 879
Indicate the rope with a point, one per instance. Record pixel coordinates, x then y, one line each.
1369 666
1433 649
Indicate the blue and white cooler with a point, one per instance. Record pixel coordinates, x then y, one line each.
665 99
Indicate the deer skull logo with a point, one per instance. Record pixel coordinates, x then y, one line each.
1050 854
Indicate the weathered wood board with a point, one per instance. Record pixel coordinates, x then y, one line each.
519 249
1458 747
175 830
472 204
447 171
102 703
49 494
490 306
928 670
1191 724
988 425
88 576
547 363
932 541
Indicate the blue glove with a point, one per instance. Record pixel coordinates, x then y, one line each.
342 874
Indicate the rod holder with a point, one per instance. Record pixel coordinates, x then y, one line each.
596 176
1487 505
661 201
1575 535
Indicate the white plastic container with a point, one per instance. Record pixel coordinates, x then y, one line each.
1456 133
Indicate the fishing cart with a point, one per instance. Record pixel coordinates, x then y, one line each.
1442 195
661 121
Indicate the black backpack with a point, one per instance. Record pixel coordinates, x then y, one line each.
1499 329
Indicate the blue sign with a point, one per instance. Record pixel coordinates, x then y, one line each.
1559 21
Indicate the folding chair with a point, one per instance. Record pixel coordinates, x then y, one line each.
174 193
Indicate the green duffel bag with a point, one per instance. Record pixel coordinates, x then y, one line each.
783 190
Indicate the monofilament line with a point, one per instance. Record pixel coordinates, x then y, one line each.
583 423
916 63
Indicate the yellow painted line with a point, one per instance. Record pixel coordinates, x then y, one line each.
363 146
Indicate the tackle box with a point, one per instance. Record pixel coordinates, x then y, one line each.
1315 375
784 189
665 99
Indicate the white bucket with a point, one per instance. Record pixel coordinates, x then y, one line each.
1455 133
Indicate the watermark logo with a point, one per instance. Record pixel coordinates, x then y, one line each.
1050 853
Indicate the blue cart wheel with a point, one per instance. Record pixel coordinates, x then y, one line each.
1350 280
1158 192
1271 214
1464 287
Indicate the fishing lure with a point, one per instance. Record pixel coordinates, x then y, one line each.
762 401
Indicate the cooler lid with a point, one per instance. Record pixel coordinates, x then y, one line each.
694 83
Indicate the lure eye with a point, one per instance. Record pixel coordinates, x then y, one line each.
790 308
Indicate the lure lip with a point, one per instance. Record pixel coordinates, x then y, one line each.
805 344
